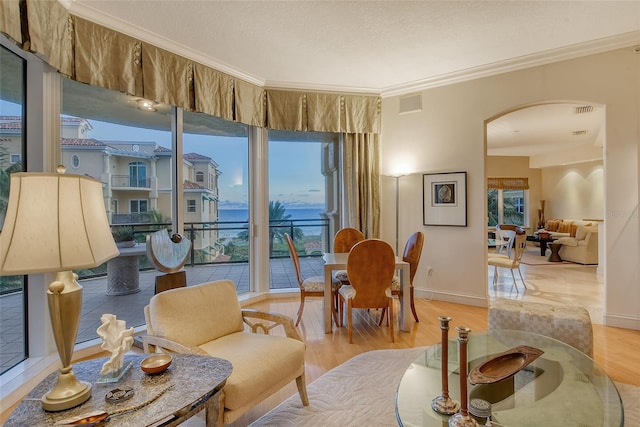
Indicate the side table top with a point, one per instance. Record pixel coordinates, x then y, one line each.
193 379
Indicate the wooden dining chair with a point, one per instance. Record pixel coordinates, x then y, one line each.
370 265
311 286
343 241
411 254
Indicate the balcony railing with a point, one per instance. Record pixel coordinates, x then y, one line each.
130 181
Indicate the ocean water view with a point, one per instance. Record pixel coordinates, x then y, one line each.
310 228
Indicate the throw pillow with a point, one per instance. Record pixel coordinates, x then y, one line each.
565 227
574 228
552 224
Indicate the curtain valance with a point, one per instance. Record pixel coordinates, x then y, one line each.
508 183
94 54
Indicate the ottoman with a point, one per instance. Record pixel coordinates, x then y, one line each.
570 324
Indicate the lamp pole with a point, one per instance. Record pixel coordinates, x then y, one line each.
397 178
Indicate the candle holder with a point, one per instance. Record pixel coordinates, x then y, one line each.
462 418
444 404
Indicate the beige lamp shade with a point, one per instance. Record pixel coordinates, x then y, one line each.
54 222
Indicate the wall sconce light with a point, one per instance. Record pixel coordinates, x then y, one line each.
146 105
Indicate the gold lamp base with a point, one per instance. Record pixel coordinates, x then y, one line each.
67 393
65 301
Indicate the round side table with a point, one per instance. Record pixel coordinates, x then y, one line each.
555 249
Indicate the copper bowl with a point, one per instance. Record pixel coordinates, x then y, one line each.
156 364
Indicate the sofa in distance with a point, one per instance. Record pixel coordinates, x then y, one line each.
583 248
558 228
207 319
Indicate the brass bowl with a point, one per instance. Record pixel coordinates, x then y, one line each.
156 364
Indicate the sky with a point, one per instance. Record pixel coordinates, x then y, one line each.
294 167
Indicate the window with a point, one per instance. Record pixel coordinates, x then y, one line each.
137 174
199 176
138 206
13 303
507 201
75 161
191 206
297 194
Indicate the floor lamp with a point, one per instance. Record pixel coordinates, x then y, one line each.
57 223
397 178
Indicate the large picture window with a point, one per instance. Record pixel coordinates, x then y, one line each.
507 201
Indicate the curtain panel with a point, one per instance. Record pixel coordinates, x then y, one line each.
107 59
508 183
10 20
94 54
361 183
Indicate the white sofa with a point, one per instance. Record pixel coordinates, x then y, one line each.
583 248
558 228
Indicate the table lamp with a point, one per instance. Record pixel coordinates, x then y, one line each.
57 223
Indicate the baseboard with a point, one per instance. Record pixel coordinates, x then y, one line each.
620 321
451 297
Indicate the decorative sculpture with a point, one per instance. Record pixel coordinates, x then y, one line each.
118 340
168 254
444 404
462 418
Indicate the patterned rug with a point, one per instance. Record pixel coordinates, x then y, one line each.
362 392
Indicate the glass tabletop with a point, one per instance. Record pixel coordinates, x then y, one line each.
563 387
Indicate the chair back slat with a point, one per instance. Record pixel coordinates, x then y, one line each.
294 258
412 252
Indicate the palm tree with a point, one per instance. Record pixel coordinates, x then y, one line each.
279 224
5 181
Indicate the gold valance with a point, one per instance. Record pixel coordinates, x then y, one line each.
94 54
508 183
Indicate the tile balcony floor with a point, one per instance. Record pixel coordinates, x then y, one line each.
130 307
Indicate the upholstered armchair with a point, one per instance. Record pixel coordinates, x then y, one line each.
207 319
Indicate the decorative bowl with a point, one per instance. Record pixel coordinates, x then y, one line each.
156 364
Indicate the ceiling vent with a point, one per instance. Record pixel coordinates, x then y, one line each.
579 132
410 103
583 109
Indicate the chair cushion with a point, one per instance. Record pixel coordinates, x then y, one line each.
259 361
567 241
494 255
173 313
348 292
500 262
395 283
316 284
342 275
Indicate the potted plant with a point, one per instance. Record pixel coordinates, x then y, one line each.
123 236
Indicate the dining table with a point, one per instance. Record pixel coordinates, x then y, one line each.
338 261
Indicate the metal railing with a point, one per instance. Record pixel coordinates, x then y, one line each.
131 181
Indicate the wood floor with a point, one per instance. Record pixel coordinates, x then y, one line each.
617 350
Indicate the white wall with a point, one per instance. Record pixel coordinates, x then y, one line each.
449 135
575 191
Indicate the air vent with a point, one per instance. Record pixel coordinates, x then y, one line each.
410 103
579 132
583 109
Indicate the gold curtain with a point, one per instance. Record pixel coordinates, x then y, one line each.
250 104
362 182
100 56
167 78
108 59
51 34
508 183
10 20
286 110
213 92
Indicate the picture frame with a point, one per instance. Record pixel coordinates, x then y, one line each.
445 199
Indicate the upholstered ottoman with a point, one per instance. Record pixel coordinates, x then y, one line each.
570 324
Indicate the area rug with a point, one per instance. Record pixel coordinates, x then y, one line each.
531 256
362 392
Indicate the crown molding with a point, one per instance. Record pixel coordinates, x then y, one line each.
554 55
547 57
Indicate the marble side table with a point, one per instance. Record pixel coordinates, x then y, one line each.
196 384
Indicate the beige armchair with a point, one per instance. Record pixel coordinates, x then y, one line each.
207 319
583 248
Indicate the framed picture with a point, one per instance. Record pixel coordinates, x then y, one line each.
445 199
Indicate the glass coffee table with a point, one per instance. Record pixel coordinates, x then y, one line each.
563 387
